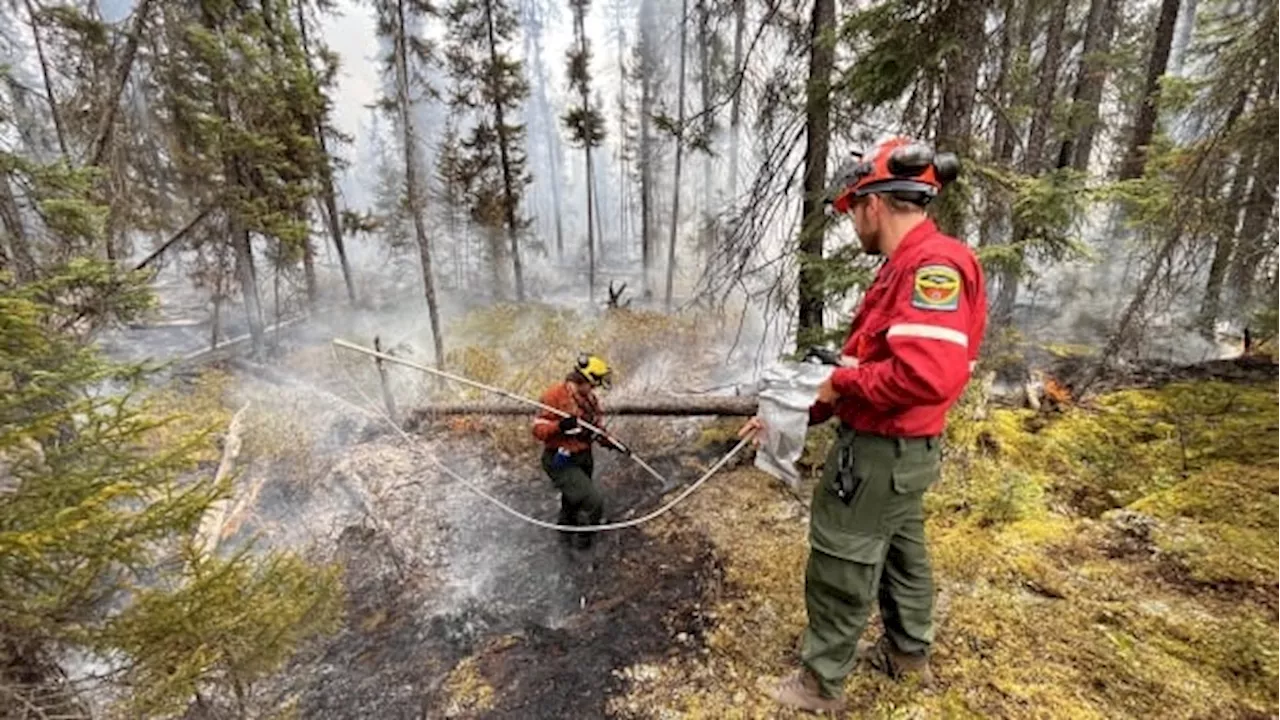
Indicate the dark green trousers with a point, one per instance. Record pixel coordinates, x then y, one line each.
580 499
871 549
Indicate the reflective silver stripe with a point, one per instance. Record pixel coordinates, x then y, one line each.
848 361
545 421
932 332
973 365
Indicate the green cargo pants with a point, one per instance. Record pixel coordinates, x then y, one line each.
580 499
872 548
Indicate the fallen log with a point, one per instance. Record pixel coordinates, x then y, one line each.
730 406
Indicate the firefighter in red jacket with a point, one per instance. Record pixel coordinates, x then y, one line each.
566 456
910 351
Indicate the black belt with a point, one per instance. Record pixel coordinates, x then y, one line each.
902 443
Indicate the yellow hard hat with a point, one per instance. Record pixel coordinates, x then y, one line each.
594 369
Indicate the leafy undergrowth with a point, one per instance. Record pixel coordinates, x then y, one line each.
1116 560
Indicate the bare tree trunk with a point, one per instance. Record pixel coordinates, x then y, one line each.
550 138
412 189
106 124
58 128
1225 235
965 19
24 263
1090 79
1224 246
591 226
995 204
1135 159
328 194
508 182
1256 239
680 139
817 123
708 118
1182 39
735 109
647 158
248 284
1033 158
1046 90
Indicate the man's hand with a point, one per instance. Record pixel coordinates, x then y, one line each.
611 444
827 392
569 426
752 431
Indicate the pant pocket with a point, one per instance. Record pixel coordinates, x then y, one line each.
914 474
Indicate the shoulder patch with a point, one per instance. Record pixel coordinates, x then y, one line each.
936 287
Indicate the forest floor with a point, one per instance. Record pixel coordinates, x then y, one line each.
1112 558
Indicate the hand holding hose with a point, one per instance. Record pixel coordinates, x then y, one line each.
570 427
614 444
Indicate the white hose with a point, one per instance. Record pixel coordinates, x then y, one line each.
495 501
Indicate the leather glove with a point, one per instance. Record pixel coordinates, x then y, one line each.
615 445
569 426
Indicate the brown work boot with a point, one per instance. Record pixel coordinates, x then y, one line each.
898 665
800 690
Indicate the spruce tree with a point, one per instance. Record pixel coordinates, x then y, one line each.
489 92
585 124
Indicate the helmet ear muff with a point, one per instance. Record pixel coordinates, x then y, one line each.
910 160
583 361
947 167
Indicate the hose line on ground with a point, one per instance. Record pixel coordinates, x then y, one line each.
490 498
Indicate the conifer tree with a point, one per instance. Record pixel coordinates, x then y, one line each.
407 55
585 125
489 91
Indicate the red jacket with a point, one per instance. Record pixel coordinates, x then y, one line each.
914 339
546 427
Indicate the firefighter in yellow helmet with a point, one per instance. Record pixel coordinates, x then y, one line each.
567 454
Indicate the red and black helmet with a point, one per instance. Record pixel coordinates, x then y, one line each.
899 166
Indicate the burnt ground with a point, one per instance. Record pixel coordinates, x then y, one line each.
544 626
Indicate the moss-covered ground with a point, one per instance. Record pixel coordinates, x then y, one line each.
1111 560
1116 558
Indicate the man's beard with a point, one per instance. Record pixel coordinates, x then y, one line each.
870 243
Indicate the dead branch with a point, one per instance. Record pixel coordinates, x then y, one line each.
215 518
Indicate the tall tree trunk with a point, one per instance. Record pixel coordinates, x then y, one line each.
708 120
1091 76
680 139
965 20
647 159
20 255
248 277
647 156
1182 37
106 124
735 108
817 134
1256 238
557 162
550 137
329 196
1135 159
504 140
58 127
1033 159
411 180
995 204
624 161
1224 245
591 226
